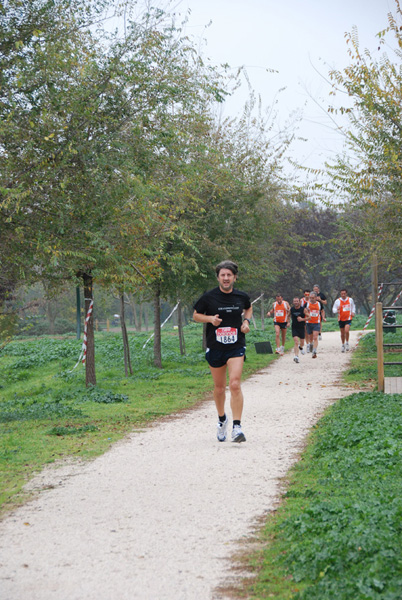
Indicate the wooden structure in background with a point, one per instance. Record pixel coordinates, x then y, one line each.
389 385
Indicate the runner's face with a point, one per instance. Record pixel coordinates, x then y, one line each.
279 299
296 302
226 280
343 295
313 297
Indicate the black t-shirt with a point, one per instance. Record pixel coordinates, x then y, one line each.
297 312
229 307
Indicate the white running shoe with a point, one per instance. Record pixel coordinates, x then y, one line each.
308 349
347 346
296 359
302 351
278 351
343 348
222 429
281 350
237 434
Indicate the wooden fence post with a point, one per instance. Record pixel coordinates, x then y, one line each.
380 348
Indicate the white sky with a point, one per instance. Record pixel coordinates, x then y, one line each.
294 37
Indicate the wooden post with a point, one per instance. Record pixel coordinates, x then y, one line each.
380 348
107 325
78 311
96 325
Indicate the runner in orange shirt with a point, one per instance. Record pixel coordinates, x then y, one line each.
313 324
281 311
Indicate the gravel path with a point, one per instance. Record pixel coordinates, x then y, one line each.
159 516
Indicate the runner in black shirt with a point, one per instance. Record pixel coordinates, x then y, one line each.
222 309
299 315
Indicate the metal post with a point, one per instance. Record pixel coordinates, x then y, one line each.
78 302
380 348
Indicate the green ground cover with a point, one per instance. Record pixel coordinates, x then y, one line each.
337 534
47 414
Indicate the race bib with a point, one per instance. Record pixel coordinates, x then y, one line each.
346 308
279 313
226 335
315 313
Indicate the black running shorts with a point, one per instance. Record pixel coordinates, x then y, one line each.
218 358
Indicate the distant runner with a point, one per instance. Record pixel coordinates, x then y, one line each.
314 320
299 315
222 309
303 302
323 299
281 310
346 309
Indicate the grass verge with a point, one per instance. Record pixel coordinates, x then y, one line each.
47 414
337 534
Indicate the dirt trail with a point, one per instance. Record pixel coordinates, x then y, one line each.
159 516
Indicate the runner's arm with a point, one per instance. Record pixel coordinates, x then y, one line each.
335 308
215 320
245 327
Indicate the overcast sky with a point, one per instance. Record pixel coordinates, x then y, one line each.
296 38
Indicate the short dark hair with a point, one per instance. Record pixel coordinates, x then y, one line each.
276 295
304 291
344 290
227 264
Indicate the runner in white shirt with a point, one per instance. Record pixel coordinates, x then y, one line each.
346 310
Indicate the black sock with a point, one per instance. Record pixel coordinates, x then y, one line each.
222 419
236 422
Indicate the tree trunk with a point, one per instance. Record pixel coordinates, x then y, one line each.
140 309
126 347
146 316
262 313
157 329
181 332
90 376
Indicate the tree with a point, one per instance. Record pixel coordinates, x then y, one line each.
369 176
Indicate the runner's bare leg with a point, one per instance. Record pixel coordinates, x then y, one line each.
235 367
219 378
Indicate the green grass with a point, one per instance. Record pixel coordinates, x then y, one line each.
47 413
337 534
